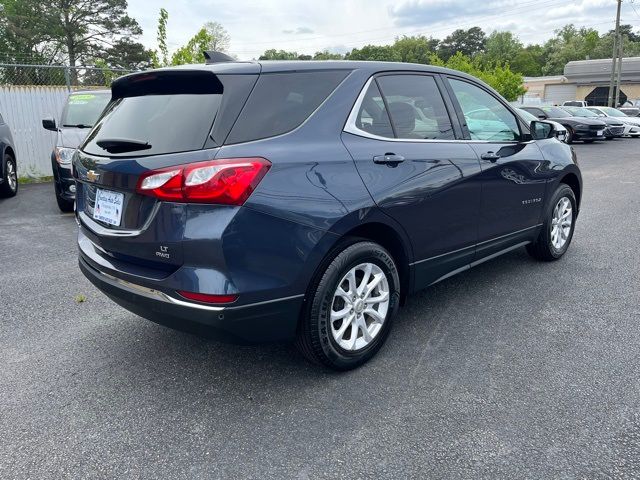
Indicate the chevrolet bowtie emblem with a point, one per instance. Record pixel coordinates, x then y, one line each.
92 176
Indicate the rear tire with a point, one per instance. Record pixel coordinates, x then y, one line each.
9 185
347 319
556 233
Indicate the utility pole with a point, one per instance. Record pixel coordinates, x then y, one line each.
618 80
614 56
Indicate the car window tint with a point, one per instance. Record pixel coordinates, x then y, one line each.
168 123
280 102
416 107
486 117
373 117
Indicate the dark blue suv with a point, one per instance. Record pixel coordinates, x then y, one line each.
269 201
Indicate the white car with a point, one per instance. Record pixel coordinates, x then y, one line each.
561 132
631 124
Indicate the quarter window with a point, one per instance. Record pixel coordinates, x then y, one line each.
486 117
373 117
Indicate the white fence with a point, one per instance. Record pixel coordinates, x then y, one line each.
23 108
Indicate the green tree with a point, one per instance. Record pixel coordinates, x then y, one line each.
384 53
129 55
468 42
274 54
326 55
160 57
192 52
417 49
529 61
502 47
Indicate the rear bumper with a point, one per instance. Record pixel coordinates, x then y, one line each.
269 321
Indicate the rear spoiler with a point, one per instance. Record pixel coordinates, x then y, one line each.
166 82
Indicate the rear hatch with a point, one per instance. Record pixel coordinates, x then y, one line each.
155 120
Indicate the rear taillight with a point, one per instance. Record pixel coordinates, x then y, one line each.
207 298
224 181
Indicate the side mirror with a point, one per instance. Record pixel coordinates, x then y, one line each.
49 124
542 117
541 130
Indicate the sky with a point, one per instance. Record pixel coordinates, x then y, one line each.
307 26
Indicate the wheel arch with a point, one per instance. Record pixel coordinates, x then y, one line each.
391 240
571 179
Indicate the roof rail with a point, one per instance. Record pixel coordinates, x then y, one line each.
211 56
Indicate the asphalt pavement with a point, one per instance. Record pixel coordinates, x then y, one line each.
514 369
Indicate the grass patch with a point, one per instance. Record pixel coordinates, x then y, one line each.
27 180
80 298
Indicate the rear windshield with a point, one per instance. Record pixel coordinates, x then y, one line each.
83 109
166 123
280 102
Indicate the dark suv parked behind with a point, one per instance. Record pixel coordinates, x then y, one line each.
267 201
80 113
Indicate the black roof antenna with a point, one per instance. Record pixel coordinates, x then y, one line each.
211 56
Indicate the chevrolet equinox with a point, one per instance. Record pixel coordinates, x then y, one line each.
303 201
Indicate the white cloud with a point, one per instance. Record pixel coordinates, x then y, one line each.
340 25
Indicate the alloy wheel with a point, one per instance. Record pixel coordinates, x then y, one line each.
360 305
12 177
561 223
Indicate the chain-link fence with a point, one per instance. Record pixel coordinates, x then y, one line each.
29 93
58 75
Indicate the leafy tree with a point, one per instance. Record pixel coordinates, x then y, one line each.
160 57
502 47
84 30
326 55
416 49
385 53
274 54
529 61
468 42
127 54
192 52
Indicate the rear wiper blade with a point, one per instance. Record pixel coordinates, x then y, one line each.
77 125
121 145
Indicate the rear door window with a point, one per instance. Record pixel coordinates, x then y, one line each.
416 107
280 102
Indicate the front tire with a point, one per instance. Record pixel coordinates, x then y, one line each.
64 205
9 186
558 227
570 135
351 305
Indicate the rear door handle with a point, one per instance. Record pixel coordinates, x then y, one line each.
388 158
491 156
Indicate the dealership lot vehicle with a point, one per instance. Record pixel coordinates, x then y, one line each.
8 165
631 124
80 113
558 128
578 128
615 127
238 230
498 372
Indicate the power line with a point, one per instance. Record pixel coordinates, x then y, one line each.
503 13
